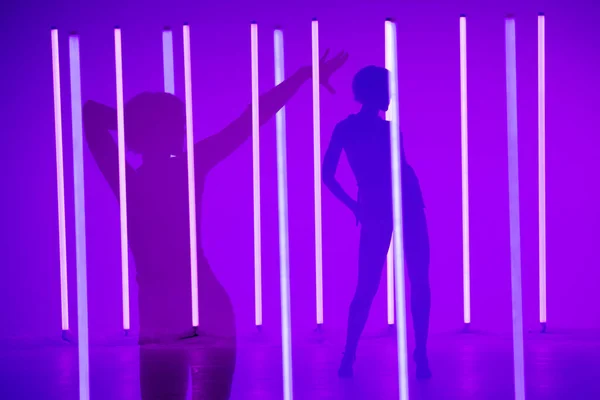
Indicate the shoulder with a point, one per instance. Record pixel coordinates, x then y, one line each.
343 127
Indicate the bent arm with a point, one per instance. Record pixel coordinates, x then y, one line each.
330 163
215 148
98 121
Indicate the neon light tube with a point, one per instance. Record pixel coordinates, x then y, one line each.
390 284
284 260
391 48
80 244
122 179
256 178
542 162
389 65
168 66
464 146
317 169
190 164
513 189
60 183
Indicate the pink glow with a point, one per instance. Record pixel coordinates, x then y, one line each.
256 178
317 170
122 179
60 183
191 177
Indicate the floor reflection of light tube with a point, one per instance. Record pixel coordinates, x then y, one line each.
256 177
189 124
60 183
284 260
542 163
391 48
317 169
513 189
80 244
122 179
464 145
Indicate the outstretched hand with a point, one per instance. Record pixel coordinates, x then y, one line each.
329 66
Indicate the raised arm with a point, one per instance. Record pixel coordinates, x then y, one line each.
219 146
330 163
98 121
210 151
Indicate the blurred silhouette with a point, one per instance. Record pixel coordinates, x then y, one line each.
158 223
365 138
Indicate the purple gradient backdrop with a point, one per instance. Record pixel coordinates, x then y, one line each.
429 88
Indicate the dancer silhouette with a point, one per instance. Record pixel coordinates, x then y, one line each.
158 223
365 138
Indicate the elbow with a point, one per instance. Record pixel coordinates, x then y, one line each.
328 178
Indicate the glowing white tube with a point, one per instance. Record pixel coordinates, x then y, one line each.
80 245
390 284
513 189
189 122
464 145
284 259
122 179
60 183
391 48
317 169
256 178
389 65
542 162
168 66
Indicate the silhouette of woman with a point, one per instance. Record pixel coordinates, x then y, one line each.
158 222
365 138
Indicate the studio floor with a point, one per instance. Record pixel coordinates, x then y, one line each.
465 366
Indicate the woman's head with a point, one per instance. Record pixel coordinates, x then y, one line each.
155 124
370 87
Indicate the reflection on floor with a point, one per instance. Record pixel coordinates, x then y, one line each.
465 366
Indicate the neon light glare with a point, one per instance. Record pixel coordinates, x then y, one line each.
513 189
390 283
391 49
317 169
389 65
464 145
80 245
122 179
286 327
190 164
256 178
168 66
60 183
542 161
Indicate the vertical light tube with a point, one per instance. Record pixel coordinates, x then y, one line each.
391 48
317 169
189 124
60 182
256 177
390 283
389 65
464 146
542 163
122 179
168 65
80 241
513 189
284 259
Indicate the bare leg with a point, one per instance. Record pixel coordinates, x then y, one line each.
416 242
374 243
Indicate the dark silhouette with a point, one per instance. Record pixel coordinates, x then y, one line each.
158 223
365 137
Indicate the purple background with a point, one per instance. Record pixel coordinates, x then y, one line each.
430 120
